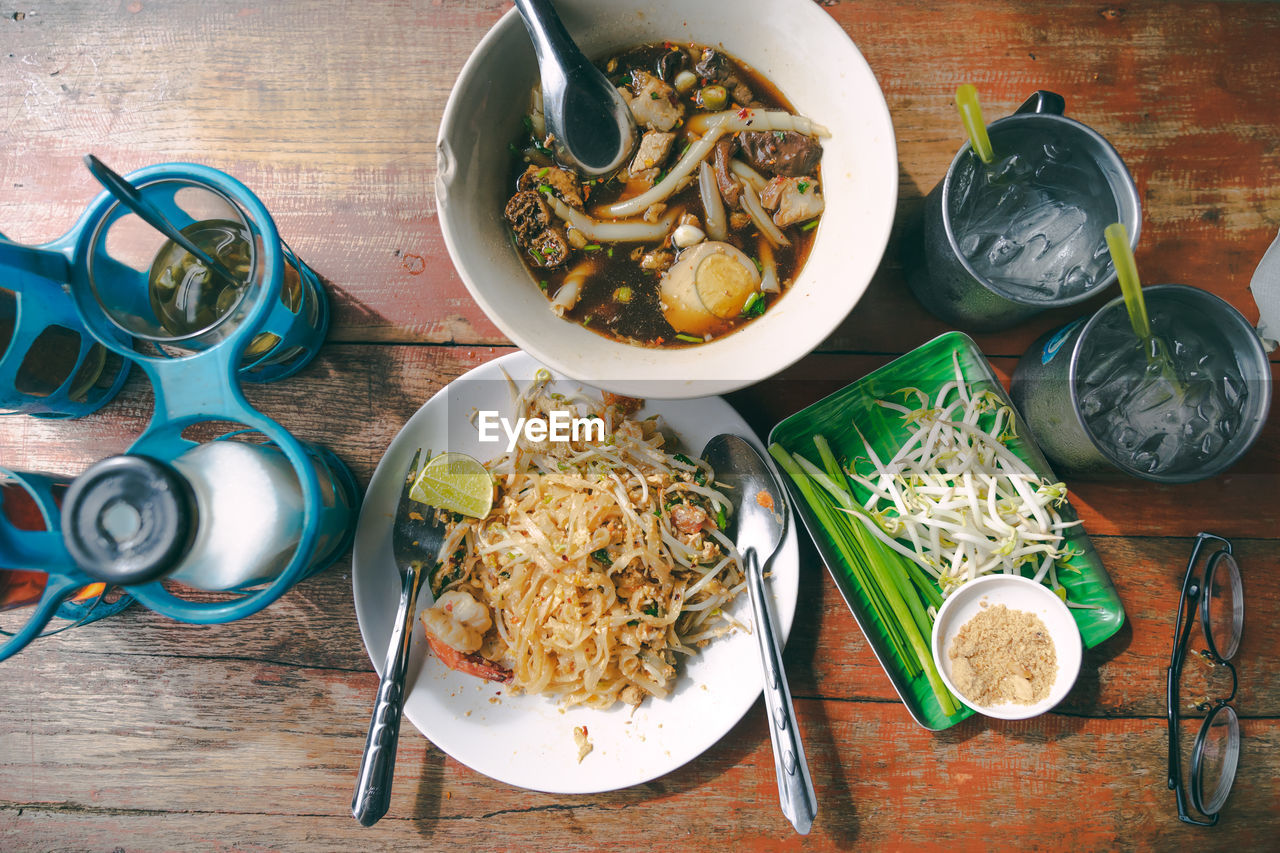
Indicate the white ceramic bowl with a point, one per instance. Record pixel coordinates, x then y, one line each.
1016 593
797 46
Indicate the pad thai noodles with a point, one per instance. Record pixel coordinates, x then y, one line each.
601 563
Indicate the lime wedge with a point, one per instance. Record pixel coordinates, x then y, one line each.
455 482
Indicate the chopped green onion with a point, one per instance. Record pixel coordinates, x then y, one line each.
690 339
543 284
622 294
754 306
591 247
809 226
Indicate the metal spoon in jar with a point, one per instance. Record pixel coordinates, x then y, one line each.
758 523
591 126
128 195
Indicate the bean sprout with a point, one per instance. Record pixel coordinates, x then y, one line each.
964 501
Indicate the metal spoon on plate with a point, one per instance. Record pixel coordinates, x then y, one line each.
759 520
591 126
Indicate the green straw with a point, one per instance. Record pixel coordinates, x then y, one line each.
971 115
1131 287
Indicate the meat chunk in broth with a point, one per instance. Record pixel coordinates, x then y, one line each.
792 200
563 183
652 154
652 102
528 216
730 189
715 67
781 152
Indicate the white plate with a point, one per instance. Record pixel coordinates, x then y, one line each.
528 740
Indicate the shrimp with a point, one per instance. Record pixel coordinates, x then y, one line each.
455 627
458 621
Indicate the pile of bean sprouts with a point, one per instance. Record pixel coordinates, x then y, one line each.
965 503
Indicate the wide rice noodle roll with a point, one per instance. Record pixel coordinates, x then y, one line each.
571 288
748 175
751 204
612 232
769 275
715 222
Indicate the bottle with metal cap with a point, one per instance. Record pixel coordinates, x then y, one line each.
225 515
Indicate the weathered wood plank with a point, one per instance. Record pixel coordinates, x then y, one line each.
196 783
314 628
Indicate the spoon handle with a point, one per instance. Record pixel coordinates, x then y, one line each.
128 194
377 766
795 787
549 36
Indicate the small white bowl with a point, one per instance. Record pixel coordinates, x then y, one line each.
800 48
1016 593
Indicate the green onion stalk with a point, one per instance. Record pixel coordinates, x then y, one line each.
893 590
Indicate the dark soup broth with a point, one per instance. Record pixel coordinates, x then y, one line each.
702 231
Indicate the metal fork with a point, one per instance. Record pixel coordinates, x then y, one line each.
415 540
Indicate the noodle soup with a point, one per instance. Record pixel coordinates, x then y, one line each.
707 226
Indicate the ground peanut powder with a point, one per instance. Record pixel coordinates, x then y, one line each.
1003 655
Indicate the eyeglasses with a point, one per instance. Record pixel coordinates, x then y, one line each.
1220 596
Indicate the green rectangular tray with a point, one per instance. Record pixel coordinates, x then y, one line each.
928 367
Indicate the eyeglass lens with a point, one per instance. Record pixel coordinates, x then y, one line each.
1222 607
1214 758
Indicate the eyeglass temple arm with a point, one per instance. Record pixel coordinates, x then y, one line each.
1181 634
1173 674
1202 536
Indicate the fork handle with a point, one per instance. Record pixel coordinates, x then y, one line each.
377 766
795 787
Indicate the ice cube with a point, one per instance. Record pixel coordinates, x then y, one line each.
1002 251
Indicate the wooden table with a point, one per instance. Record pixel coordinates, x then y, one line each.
139 733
